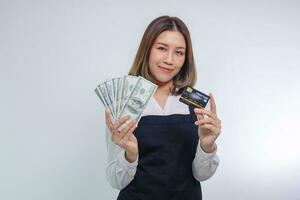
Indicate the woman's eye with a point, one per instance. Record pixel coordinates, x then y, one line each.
180 53
161 48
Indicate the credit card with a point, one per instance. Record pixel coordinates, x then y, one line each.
194 98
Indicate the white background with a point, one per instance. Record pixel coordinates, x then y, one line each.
54 53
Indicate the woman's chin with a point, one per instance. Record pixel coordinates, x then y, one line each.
161 82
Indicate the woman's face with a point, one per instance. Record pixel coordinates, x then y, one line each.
167 56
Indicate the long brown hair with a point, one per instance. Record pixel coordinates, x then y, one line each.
187 75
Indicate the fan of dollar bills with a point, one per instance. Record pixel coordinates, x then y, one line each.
125 96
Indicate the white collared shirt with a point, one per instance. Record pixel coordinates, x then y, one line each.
119 172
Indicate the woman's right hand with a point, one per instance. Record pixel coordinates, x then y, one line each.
124 138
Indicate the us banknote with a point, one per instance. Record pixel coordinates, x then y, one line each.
125 96
138 100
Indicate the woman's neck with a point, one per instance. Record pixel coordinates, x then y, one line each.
165 89
162 93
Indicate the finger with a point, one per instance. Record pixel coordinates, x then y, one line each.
205 112
127 135
123 142
127 128
107 119
198 113
216 122
213 107
214 130
199 116
210 127
119 122
207 121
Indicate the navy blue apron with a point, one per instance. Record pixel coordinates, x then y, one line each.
167 147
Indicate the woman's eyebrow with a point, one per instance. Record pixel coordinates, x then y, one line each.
167 45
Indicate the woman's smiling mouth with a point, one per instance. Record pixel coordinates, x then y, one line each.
164 69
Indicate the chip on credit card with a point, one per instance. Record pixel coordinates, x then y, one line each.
194 98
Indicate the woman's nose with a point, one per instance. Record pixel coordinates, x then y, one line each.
169 58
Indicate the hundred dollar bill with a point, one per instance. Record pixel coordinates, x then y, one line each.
109 87
138 100
114 84
128 87
105 96
98 92
120 92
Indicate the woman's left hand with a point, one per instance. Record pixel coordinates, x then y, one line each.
209 127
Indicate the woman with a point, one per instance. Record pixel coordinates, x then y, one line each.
172 148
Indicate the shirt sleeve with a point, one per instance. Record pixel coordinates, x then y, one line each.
119 172
204 164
